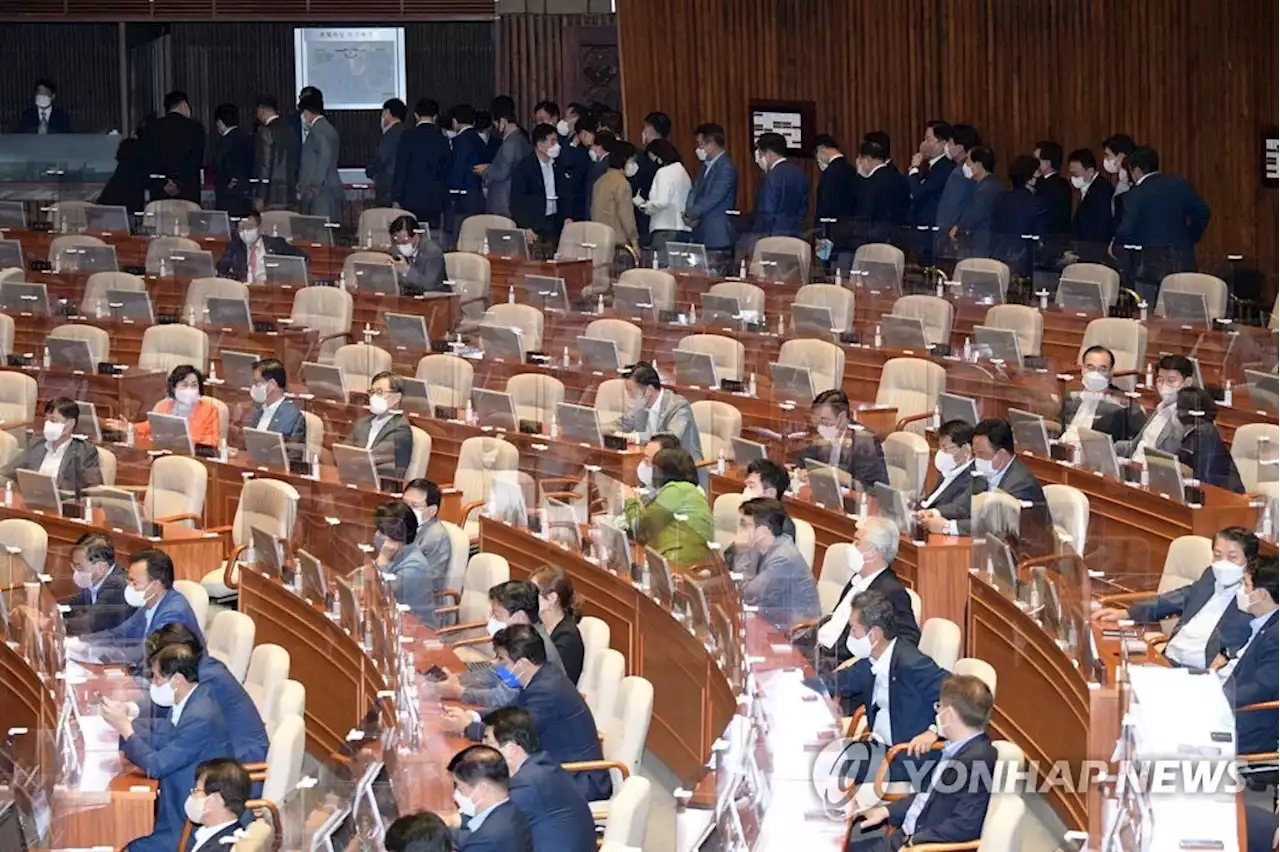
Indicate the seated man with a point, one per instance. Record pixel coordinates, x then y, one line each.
1208 618
198 733
842 443
995 466
493 822
424 497
420 832
1201 447
652 410
419 260
245 257
157 603
779 582
216 804
565 726
1102 406
417 582
1159 430
558 815
765 478
385 431
72 462
99 605
1249 672
949 504
947 809
272 410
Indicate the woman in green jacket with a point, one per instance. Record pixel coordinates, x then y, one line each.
677 522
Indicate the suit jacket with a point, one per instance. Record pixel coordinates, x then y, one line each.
275 154
926 187
977 218
425 271
288 421
529 196
954 199
1164 211
783 203
171 755
248 734
422 161
173 146
59 120
675 417
714 194
836 199
883 202
127 186
1018 481
861 455
393 447
914 682
1054 192
234 262
232 168
214 843
783 587
466 190
382 168
611 205
513 149
79 468
559 818
577 161
954 501
1169 440
955 812
1017 212
505 829
887 584
88 616
320 189
1231 631
1254 680
126 641
1092 225
1121 422
1209 459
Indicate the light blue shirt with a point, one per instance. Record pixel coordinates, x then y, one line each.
473 825
993 481
950 750
93 590
549 183
150 613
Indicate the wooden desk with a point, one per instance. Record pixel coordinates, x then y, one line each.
506 272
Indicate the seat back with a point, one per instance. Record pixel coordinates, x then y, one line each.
594 241
459 556
484 571
287 699
230 640
472 234
224 413
628 336
749 296
595 638
1252 444
838 299
1027 322
718 424
18 395
940 641
268 668
536 396
1127 340
936 313
1101 273
610 669
1212 287
911 385
980 669
1185 561
108 464
985 264
824 360
197 599
479 459
917 606
60 244
349 279
662 285
359 363
806 540
1069 509
881 253
68 216
906 455
98 339
31 540
448 379
611 400
6 325
419 456
168 215
1002 829
374 228
278 223
725 512
782 245
527 318
471 277
9 448
167 346
95 302
834 575
324 309
624 741
284 757
728 354
315 434
201 290
177 486
271 505
159 249
629 815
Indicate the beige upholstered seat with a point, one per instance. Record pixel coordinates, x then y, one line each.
524 317
18 395
718 424
536 396
327 311
806 540
782 245
12 273
594 241
480 460
278 223
1097 272
459 558
611 400
984 264
604 679
662 285
940 641
420 456
288 698
472 234
628 816
167 346
66 241
176 486
159 249
315 434
725 513
32 542
268 669
833 577
197 598
224 413
937 315
838 299
96 287
1025 321
6 334
68 216
374 229
231 641
471 277
824 359
349 280
201 290
271 505
360 362
1069 510
595 638
628 336
284 758
728 354
9 448
1213 288
981 669
881 253
1251 445
1127 340
907 456
749 296
448 379
99 339
483 572
624 742
911 385
108 464
168 215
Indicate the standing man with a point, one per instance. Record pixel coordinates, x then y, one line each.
972 230
657 125
273 156
929 172
783 203
1052 189
466 193
43 117
1164 215
173 151
513 148
958 189
382 169
540 188
883 195
421 163
836 201
1092 225
232 162
319 185
714 194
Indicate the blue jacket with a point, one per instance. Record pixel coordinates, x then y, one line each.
422 161
713 194
1164 211
171 756
926 187
1018 211
128 640
955 196
558 816
955 812
248 734
1231 631
468 151
978 216
503 830
914 682
1254 680
783 203
287 421
1209 459
577 163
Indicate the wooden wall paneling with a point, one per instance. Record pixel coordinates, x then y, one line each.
79 58
538 57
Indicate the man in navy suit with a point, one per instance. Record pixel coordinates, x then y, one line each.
217 804
541 188
1208 618
272 411
1052 189
43 117
713 195
422 165
783 203
245 256
466 188
565 726
883 195
958 189
996 466
972 232
232 162
1202 448
1249 672
197 733
1019 212
151 590
493 823
949 502
836 199
558 816
99 605
952 806
928 174
1092 225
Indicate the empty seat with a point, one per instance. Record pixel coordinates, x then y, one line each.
749 296
327 311
471 277
881 253
1069 510
838 299
18 395
66 241
1213 288
526 318
1025 321
728 354
662 286
268 669
473 233
1253 444
984 264
823 359
935 312
271 505
197 599
231 641
782 245
160 248
911 385
611 400
628 337
201 290
907 456
374 229
98 339
594 241
68 216
725 513
718 424
6 329
167 346
481 459
349 279
359 363
176 489
940 641
448 379
536 396
1108 278
95 301
168 215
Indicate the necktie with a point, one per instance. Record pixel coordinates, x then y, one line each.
44 122
253 264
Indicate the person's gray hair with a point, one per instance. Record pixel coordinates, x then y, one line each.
883 535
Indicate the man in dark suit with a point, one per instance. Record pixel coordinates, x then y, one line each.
1209 621
1092 225
244 258
952 806
170 753
493 823
558 816
274 157
320 188
1018 213
217 804
385 431
949 502
1248 672
382 168
272 410
928 174
656 125
1202 447
99 603
843 444
466 190
43 117
173 151
958 189
1164 215
972 232
782 205
1103 406
883 195
422 163
1052 189
418 259
420 832
71 461
541 188
232 162
714 193
836 200
997 467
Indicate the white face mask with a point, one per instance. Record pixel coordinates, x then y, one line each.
762 162
1243 599
258 393
82 578
854 559
554 151
944 462
1168 394
631 169
937 723
860 647
162 695
249 236
194 807
53 430
421 515
135 598
562 127
864 172
823 163
406 249
701 154
186 395
985 467
378 405
967 171
1110 165
828 433
644 472
1094 382
494 625
44 101
466 807
450 133
1226 573
1078 182
591 152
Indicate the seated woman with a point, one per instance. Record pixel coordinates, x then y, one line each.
677 522
1202 449
185 398
558 612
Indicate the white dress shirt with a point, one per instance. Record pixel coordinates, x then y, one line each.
176 713
829 633
1189 647
667 198
549 183
53 458
375 427
255 266
1084 190
883 727
651 423
1085 415
269 411
204 832
44 120
933 162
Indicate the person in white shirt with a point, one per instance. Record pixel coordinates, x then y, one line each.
385 431
217 804
73 463
1100 407
668 195
948 504
1161 431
